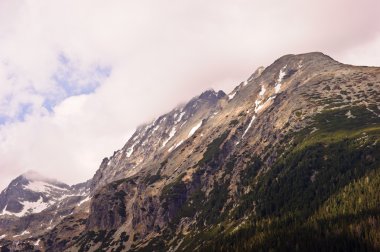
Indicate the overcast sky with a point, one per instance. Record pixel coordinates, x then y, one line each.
78 76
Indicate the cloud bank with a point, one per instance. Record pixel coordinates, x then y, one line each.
77 77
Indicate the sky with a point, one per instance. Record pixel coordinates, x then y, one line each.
78 76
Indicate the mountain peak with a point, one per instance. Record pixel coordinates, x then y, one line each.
32 193
306 56
211 94
316 59
34 176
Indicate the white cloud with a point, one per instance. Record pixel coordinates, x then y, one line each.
366 54
159 53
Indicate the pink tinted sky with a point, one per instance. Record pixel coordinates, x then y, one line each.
152 55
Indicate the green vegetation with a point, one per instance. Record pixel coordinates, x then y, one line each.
248 174
116 183
212 150
151 179
321 194
234 122
211 210
103 237
156 244
298 113
192 204
121 203
174 192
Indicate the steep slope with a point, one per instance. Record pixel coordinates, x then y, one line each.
32 204
262 168
152 141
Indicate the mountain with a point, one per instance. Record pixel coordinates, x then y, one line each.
289 160
162 136
33 203
31 193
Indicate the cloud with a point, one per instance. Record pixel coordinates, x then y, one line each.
76 77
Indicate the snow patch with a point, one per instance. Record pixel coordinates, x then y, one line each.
281 75
4 212
33 207
135 138
231 96
130 150
171 134
109 162
66 196
2 236
194 129
214 114
259 105
262 91
84 200
245 83
29 207
249 125
183 124
180 117
277 88
314 130
40 186
373 112
350 115
175 146
37 242
258 108
178 144
300 65
23 233
155 128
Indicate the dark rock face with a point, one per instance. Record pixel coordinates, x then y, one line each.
223 171
109 209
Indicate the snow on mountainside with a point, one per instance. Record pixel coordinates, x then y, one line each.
33 204
32 193
159 138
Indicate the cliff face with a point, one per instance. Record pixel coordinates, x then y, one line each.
225 172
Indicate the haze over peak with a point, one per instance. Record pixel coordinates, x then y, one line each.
33 175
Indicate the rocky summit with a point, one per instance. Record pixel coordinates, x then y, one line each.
289 160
